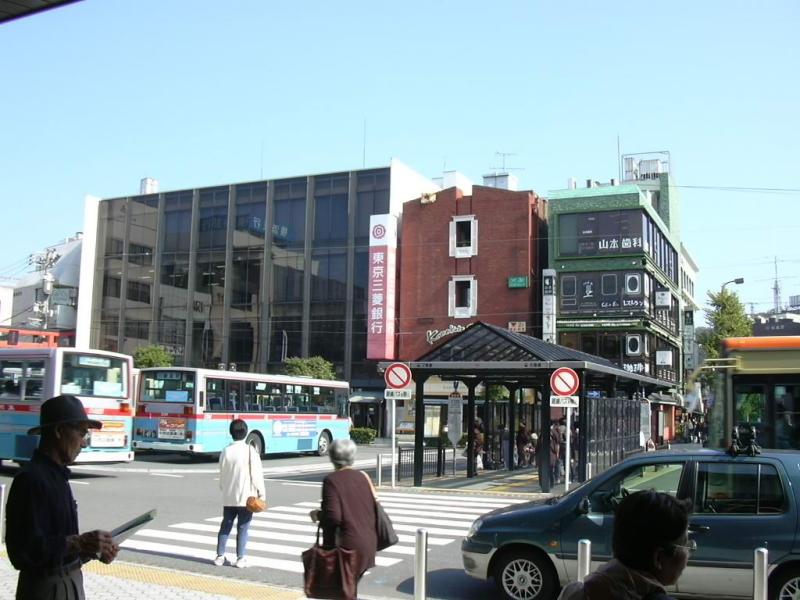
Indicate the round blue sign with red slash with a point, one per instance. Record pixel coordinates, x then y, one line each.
397 376
564 382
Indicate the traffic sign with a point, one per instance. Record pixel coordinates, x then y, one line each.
564 382
397 376
391 394
563 402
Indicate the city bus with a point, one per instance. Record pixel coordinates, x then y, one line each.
102 380
189 410
759 386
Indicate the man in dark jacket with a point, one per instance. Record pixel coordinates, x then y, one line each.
42 536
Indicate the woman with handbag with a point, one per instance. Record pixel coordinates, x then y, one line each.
241 480
348 515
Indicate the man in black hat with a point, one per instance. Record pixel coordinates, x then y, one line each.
42 516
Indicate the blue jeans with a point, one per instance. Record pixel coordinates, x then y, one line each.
243 518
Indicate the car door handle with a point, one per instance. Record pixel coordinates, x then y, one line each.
699 528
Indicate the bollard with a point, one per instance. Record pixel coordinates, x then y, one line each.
760 564
584 558
379 472
588 471
421 564
2 513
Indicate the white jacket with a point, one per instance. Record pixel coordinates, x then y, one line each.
235 481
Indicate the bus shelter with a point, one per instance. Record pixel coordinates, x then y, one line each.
609 398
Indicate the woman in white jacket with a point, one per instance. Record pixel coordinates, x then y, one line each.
240 476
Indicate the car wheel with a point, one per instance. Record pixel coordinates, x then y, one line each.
523 575
786 586
254 440
324 443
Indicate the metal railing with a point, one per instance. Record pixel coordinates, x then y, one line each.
433 462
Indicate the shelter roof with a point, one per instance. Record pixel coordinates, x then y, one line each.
489 353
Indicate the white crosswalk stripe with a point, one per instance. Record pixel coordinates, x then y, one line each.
279 534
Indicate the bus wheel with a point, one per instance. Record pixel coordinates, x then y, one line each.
254 440
324 443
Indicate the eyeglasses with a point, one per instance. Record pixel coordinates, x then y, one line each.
84 434
690 546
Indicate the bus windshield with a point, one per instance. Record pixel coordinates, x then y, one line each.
92 375
168 386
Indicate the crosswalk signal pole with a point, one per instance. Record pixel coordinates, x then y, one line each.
421 564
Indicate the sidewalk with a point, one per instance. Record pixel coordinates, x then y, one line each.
122 581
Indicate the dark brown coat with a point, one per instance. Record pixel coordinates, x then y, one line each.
349 506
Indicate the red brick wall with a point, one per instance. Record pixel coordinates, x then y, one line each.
508 223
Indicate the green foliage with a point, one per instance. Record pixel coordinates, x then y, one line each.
315 366
496 392
727 318
363 435
152 356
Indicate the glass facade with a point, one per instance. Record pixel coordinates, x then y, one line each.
247 274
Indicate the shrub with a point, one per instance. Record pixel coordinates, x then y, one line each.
363 435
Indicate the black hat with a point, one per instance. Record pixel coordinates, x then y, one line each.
60 410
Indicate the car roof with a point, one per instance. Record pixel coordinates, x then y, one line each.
784 455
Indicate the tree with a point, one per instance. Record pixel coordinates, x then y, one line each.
314 366
152 356
726 318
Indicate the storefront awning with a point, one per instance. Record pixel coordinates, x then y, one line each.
366 398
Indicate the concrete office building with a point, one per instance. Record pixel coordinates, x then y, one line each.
241 275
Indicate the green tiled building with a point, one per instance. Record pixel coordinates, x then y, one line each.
616 251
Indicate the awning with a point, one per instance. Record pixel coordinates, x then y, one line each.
366 398
657 398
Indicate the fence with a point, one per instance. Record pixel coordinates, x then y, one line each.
613 431
433 462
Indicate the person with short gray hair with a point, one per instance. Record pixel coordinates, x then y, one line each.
342 453
347 516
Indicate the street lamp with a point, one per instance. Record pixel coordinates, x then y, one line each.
737 281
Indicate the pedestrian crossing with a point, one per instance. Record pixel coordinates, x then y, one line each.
279 535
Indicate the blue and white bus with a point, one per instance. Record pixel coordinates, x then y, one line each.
103 381
182 409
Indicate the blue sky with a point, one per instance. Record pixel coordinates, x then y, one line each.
101 93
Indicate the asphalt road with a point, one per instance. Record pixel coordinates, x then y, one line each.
185 493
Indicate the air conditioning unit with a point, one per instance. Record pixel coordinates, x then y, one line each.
633 344
633 283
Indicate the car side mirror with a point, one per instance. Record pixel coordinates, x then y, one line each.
583 506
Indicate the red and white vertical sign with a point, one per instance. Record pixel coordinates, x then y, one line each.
382 277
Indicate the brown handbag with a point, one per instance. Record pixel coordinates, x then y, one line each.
254 504
329 574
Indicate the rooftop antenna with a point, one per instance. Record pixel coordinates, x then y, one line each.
503 168
776 289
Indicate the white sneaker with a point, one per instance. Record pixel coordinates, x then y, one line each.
219 561
241 563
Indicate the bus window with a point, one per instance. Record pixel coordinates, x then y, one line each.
234 396
215 392
86 375
168 386
787 411
751 409
22 379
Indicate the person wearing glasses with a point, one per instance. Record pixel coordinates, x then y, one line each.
651 547
42 536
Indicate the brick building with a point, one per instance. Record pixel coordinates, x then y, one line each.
467 255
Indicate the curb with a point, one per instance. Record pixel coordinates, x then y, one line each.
187 580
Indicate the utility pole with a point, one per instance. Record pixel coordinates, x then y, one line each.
776 289
44 261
